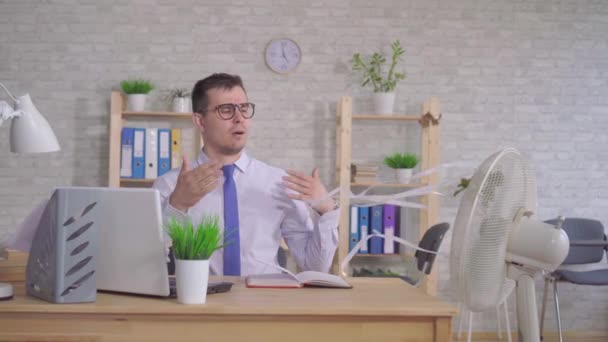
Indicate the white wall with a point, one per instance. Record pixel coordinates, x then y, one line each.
532 74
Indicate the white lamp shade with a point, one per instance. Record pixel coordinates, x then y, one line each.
30 132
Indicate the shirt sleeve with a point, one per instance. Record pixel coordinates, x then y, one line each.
312 238
165 188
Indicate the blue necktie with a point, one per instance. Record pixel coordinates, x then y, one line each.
232 252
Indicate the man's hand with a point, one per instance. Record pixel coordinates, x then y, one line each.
192 185
309 188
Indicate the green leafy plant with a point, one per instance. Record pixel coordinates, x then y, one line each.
372 69
190 243
136 86
401 161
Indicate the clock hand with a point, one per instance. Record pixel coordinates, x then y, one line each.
283 52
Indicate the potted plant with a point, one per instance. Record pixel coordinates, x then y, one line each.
137 91
193 247
403 163
179 99
383 81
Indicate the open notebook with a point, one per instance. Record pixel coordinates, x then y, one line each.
289 280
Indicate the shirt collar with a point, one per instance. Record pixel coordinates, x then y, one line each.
242 163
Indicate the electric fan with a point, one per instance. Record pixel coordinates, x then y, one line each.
495 236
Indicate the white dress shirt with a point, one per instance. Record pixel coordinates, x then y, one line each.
266 214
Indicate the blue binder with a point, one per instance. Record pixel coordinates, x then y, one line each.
139 152
376 244
354 227
364 228
126 153
164 150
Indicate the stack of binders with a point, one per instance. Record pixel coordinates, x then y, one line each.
147 153
383 219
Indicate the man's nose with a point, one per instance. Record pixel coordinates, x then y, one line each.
238 116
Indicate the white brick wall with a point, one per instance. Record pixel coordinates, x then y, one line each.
532 74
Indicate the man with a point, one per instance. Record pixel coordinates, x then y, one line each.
259 204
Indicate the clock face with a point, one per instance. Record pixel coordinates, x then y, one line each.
283 55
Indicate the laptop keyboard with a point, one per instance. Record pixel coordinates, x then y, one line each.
212 287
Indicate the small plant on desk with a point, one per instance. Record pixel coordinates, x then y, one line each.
193 247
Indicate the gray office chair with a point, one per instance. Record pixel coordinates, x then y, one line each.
588 245
282 257
431 240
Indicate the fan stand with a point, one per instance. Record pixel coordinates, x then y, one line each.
6 291
527 319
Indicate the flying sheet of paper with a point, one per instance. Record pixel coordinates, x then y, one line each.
24 234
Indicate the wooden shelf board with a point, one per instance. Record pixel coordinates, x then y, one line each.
158 114
388 185
137 180
386 117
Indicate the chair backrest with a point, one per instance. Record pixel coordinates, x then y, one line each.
582 229
282 257
431 240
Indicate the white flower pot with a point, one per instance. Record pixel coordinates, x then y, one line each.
182 105
136 102
403 175
384 103
192 277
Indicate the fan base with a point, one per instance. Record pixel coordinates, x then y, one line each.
6 291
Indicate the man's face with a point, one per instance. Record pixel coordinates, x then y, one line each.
226 137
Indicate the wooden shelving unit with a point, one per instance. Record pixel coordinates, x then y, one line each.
386 185
118 117
379 117
428 121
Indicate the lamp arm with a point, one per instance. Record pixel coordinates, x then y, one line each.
7 112
8 92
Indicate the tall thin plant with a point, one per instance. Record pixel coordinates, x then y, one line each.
373 71
170 94
190 243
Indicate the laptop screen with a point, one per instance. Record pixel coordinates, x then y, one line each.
131 243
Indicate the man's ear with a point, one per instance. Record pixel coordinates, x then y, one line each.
198 121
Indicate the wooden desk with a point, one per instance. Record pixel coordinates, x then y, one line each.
375 310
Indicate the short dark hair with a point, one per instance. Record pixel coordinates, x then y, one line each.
200 99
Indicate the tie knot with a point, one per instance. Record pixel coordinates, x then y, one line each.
228 170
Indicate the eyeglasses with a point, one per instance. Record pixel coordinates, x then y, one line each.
227 111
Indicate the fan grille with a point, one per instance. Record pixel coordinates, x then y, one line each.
503 184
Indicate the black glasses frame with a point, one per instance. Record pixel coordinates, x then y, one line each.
234 108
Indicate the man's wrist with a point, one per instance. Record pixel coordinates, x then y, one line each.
175 204
327 207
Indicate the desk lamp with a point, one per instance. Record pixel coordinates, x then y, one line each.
30 133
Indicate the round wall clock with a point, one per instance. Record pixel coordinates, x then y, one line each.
282 55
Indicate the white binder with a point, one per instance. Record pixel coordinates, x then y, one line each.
126 152
151 153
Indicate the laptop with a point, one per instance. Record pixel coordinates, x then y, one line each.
131 244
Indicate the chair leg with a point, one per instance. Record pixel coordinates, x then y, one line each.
470 326
498 327
507 323
559 320
544 308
